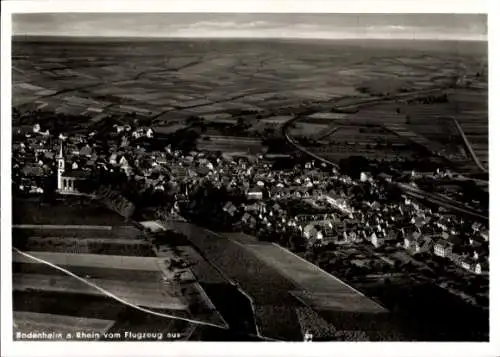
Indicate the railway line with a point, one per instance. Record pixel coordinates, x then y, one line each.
412 191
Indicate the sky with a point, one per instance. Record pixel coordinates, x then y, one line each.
226 25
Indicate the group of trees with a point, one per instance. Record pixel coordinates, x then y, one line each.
56 123
354 165
206 206
115 201
184 140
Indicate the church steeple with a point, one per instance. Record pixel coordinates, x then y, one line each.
60 151
60 168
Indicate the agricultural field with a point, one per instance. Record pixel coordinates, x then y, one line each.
93 261
104 246
117 258
406 122
164 81
143 293
279 313
371 142
67 211
47 323
321 290
229 144
82 232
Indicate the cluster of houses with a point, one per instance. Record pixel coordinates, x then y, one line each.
343 218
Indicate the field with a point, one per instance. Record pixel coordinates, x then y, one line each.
165 82
116 258
69 211
82 233
243 268
323 290
94 261
90 246
229 144
370 142
46 323
147 294
295 284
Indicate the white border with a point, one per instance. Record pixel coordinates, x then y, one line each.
244 349
256 6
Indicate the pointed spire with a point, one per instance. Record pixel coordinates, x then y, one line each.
61 150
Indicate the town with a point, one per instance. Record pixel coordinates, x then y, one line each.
350 226
227 189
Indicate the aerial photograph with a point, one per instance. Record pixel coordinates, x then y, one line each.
250 177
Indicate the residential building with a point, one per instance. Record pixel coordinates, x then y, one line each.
255 194
376 240
443 248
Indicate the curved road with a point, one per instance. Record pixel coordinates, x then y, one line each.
468 145
415 192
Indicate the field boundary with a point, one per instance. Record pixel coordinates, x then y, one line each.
328 274
57 226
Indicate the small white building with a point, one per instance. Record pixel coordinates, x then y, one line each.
255 194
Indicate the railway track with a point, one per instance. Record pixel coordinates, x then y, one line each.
453 206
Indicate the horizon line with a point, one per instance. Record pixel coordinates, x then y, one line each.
249 38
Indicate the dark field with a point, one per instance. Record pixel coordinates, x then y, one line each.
91 246
78 305
68 211
429 313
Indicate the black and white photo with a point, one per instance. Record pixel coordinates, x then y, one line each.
249 177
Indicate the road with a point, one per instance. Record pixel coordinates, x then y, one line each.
468 145
415 192
446 203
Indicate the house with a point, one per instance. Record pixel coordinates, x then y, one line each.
230 208
385 177
408 241
352 237
113 160
255 194
423 245
124 162
86 151
248 219
376 240
417 243
478 269
443 248
468 264
481 267
312 233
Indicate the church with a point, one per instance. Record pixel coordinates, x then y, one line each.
68 180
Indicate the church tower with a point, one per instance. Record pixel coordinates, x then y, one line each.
60 168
